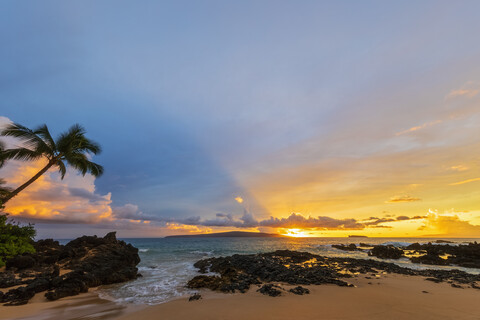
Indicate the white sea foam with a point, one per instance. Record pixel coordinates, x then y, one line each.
396 243
143 250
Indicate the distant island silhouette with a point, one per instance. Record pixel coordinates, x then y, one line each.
231 234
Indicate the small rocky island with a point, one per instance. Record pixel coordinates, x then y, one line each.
67 270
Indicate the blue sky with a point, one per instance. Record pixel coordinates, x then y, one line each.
198 102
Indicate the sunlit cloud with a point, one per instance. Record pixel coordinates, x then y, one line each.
404 198
420 127
449 224
459 168
470 93
464 181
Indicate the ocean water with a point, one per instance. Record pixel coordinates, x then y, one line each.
167 263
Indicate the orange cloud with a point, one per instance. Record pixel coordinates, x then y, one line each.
405 198
51 199
450 225
470 93
465 181
459 168
239 199
423 126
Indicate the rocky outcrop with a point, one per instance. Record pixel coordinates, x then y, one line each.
270 290
239 272
464 255
299 290
386 252
85 262
350 247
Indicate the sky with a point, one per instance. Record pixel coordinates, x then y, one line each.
307 118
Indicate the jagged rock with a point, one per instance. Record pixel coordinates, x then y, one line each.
464 255
270 290
239 272
386 252
8 279
93 261
20 262
18 296
299 290
350 247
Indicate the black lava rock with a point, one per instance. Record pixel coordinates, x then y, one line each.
270 290
89 262
386 252
299 290
195 297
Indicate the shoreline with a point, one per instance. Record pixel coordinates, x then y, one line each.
388 296
391 296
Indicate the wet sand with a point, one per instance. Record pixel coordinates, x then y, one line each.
391 296
83 306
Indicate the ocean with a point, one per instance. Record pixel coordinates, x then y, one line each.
167 263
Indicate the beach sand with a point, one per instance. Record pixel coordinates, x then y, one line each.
389 297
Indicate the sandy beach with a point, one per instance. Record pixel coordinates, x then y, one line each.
390 296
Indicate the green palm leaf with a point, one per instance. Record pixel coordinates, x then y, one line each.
71 148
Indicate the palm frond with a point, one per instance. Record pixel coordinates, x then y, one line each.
2 157
74 140
4 191
28 137
80 162
43 132
61 168
67 141
23 154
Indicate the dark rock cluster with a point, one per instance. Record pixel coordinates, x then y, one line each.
350 247
67 270
271 290
299 290
464 255
386 252
441 252
239 272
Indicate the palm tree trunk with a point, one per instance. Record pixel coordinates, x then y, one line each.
29 182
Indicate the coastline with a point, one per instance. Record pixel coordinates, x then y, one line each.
390 296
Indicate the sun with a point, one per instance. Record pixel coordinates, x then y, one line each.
296 233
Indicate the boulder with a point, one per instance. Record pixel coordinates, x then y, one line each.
91 261
299 290
386 252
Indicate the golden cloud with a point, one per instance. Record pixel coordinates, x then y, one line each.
405 198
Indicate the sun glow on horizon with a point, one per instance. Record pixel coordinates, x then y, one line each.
296 233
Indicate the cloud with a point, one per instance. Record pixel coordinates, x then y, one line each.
464 181
416 128
293 221
405 198
469 93
459 168
321 222
450 224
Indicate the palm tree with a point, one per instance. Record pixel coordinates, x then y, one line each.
71 147
2 148
4 191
